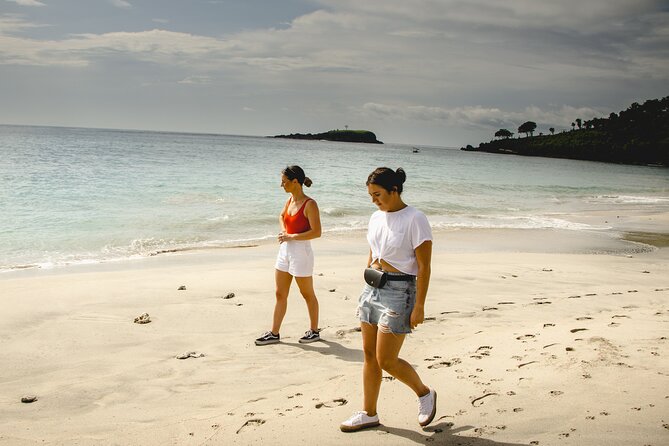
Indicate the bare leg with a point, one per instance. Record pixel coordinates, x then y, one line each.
388 348
282 280
306 285
371 372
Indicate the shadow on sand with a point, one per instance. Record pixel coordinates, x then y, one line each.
332 348
441 434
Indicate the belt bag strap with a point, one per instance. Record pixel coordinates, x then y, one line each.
400 277
378 278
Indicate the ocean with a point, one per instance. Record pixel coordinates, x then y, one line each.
73 196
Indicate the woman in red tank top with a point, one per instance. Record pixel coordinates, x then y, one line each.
300 222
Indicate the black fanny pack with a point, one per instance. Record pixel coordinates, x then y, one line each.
377 278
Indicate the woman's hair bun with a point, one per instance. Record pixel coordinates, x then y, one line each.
401 175
307 181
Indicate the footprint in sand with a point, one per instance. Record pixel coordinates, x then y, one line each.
334 403
342 333
489 308
441 364
549 325
525 337
556 392
575 330
583 318
506 303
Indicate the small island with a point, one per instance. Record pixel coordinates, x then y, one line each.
638 135
364 136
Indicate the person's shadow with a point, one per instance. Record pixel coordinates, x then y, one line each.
332 349
441 434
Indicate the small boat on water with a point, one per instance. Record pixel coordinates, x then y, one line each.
416 150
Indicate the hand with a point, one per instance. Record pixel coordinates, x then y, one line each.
417 316
283 237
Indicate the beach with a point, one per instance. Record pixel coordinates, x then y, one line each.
530 338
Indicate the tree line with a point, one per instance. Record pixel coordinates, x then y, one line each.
637 135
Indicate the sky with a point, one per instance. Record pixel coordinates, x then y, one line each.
424 72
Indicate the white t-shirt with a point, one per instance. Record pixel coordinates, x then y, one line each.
393 236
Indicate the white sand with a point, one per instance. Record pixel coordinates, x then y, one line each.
570 349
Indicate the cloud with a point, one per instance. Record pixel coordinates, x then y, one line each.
121 4
408 42
478 64
27 2
195 80
478 116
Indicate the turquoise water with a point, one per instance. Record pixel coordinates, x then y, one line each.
86 195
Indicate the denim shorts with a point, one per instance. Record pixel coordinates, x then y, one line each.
389 307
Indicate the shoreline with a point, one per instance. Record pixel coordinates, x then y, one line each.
621 241
522 346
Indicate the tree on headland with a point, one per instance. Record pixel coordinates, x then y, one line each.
528 128
503 133
638 135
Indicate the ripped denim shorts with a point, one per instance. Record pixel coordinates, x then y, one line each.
389 307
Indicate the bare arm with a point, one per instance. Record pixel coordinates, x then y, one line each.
282 224
424 260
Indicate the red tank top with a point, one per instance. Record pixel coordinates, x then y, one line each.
298 223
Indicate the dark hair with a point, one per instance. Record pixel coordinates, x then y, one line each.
389 179
296 173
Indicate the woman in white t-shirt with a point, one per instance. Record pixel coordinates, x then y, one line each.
400 240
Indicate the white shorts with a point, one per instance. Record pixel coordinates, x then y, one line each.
296 258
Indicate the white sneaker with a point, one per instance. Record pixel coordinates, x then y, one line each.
427 408
359 420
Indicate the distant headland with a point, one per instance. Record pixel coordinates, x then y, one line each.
638 135
337 135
